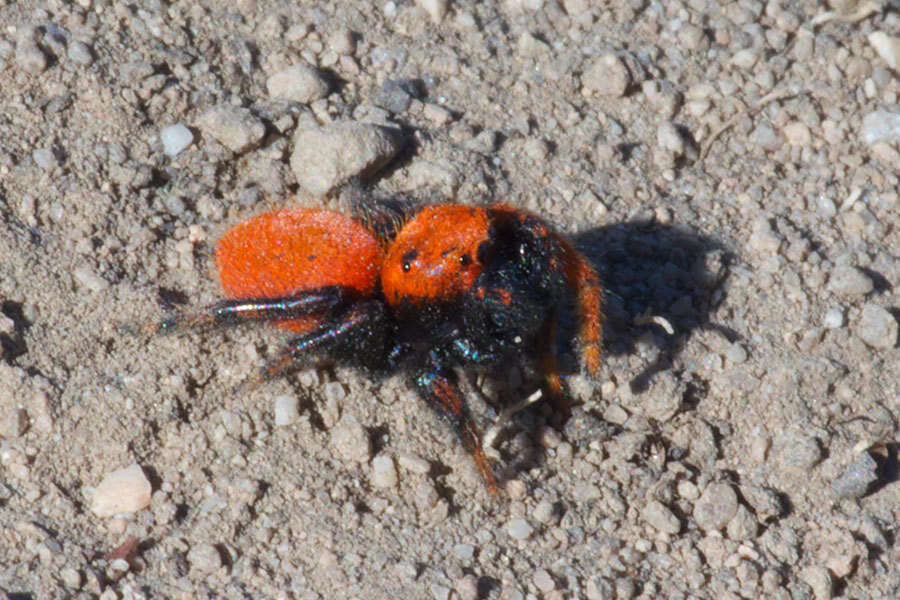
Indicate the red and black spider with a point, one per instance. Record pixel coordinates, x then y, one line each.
449 285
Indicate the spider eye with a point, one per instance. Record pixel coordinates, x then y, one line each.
465 260
406 267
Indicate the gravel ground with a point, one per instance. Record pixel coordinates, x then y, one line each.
731 167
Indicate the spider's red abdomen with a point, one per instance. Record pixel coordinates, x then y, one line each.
437 255
281 253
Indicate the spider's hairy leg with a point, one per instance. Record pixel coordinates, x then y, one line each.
583 279
310 303
359 334
445 396
553 386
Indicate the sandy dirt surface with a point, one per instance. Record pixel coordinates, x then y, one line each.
730 167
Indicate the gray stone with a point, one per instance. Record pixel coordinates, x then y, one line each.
519 529
766 138
204 558
877 327
850 282
30 57
234 127
606 76
715 507
856 478
658 516
351 440
298 83
328 156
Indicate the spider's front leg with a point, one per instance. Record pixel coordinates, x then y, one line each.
358 336
443 394
312 303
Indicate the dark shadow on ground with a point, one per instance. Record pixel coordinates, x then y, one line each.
650 269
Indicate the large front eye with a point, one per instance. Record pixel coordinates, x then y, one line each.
406 267
465 260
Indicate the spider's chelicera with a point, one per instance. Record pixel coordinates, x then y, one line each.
448 285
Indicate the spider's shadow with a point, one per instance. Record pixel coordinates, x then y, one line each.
649 269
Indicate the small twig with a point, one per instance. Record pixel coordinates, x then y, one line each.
655 320
490 436
862 11
773 96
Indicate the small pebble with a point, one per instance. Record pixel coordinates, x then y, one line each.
766 138
299 83
384 473
464 552
797 134
467 587
834 318
71 578
877 327
87 278
880 126
351 440
849 282
413 464
856 479
175 138
395 95
819 579
436 114
887 47
30 58
743 525
342 41
715 507
287 409
15 424
80 53
519 529
543 512
606 76
122 492
658 516
234 127
327 156
436 9
543 581
45 158
204 558
798 450
736 354
669 138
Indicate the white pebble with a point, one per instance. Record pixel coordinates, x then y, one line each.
124 491
287 409
351 440
887 47
384 473
880 126
175 138
436 9
834 318
519 529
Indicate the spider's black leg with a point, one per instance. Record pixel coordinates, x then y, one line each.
358 335
319 301
553 385
443 393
